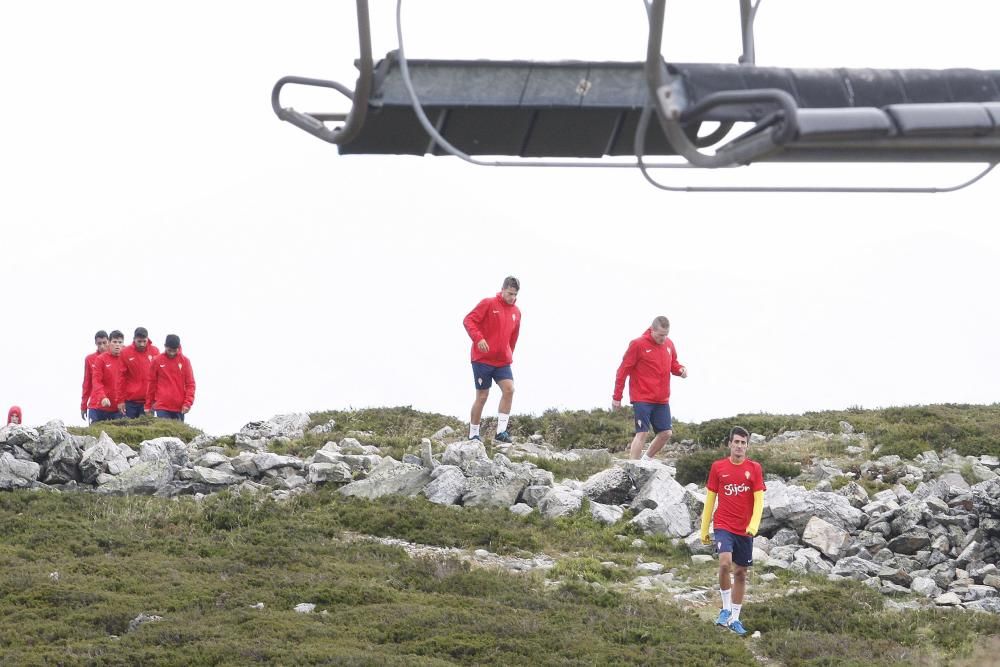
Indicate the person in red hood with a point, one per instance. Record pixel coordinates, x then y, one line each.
648 363
494 325
108 380
138 359
14 415
171 382
101 341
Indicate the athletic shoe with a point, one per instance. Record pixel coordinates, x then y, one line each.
502 436
476 438
737 627
723 618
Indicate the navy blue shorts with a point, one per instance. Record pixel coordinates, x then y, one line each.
484 374
741 546
169 414
655 414
96 415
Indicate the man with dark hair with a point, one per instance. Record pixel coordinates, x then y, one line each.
108 380
738 483
648 363
101 341
494 325
171 382
138 358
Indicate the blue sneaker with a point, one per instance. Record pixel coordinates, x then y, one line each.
723 618
476 438
502 436
737 627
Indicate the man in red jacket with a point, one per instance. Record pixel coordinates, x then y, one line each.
171 382
648 363
138 358
107 382
101 341
493 325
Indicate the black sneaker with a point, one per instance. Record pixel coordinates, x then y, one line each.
502 436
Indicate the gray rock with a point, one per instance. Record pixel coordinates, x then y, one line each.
856 494
560 501
243 464
612 485
285 426
62 464
216 477
855 567
533 494
27 470
501 489
461 454
846 428
910 543
521 509
606 514
810 561
897 576
784 537
792 506
980 592
672 521
824 536
389 477
171 449
442 433
320 473
145 477
103 457
447 485
19 435
212 459
660 490
51 435
948 599
266 461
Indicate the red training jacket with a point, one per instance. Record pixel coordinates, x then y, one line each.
171 384
648 367
498 324
137 365
88 378
107 373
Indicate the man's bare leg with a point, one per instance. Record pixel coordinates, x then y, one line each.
635 449
662 438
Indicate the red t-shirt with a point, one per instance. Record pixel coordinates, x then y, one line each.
735 485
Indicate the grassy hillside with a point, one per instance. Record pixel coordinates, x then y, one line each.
78 567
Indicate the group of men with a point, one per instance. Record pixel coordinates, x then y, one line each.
736 482
126 382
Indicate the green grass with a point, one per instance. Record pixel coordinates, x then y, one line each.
202 566
135 431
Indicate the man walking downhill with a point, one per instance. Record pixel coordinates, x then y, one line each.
107 382
738 483
138 359
171 382
493 325
648 363
101 341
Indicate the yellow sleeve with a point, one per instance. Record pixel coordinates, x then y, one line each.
706 515
758 511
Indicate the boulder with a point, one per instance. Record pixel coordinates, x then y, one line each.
672 521
660 490
280 426
606 514
27 470
824 536
469 456
612 485
171 449
62 464
560 501
266 461
216 477
145 477
447 485
102 457
329 472
501 489
389 478
910 543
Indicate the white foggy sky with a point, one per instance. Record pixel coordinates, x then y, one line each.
147 182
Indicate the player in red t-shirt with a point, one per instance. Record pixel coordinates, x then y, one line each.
738 483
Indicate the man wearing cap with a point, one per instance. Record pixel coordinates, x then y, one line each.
171 382
107 382
101 341
138 358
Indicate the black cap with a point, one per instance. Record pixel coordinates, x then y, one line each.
173 340
140 332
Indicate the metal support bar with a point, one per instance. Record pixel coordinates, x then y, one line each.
355 118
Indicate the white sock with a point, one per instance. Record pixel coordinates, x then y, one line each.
502 420
644 457
473 430
727 596
736 613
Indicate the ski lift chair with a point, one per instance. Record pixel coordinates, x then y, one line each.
574 110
